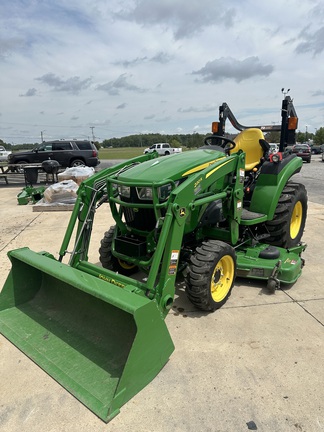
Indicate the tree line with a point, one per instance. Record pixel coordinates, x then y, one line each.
147 140
177 140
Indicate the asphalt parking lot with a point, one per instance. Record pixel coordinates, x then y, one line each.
255 364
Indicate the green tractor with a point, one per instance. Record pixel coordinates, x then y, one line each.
224 210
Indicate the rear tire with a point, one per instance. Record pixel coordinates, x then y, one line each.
109 261
288 224
211 275
77 162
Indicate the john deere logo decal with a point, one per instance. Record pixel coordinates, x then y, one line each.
182 212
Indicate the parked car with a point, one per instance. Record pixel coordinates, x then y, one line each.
4 154
66 153
163 149
316 149
303 151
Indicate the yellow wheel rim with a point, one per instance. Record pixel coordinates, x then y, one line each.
222 278
125 265
296 220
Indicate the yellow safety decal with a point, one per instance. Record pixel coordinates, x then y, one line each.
217 168
201 167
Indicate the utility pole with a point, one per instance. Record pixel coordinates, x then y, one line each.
93 137
42 137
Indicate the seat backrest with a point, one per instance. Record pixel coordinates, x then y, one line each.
248 141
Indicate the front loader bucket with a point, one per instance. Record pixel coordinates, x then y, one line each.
101 342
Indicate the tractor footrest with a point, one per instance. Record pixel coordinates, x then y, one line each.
250 218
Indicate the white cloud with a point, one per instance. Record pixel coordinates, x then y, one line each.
185 18
29 93
113 88
73 85
230 68
312 41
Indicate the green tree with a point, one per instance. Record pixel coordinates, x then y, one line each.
175 143
300 137
319 136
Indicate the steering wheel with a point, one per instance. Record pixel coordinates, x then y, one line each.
226 143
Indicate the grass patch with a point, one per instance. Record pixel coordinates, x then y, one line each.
120 153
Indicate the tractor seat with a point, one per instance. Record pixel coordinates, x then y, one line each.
250 142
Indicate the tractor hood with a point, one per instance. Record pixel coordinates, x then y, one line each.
173 167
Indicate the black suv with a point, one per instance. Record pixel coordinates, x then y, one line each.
66 153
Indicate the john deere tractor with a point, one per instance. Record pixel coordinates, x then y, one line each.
224 210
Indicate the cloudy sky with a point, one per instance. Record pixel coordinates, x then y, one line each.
119 67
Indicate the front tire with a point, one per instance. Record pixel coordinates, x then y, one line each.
20 169
109 261
211 275
288 224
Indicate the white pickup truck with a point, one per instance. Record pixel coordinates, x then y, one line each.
163 149
4 154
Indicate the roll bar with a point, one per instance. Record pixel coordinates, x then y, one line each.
289 123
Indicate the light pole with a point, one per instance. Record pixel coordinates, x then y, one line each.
284 92
93 137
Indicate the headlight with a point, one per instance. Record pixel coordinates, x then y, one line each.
144 193
124 191
276 158
164 191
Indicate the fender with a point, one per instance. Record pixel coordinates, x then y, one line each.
271 182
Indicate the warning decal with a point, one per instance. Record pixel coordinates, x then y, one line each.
173 262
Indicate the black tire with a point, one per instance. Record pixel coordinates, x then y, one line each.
166 153
110 262
211 275
21 168
288 224
77 162
272 285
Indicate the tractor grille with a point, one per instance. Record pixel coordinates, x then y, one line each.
129 215
142 219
